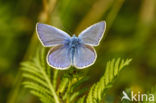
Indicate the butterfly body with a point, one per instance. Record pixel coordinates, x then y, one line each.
73 44
67 51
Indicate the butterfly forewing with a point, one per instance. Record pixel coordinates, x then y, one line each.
51 36
93 34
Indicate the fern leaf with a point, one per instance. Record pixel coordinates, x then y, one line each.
37 87
113 68
29 70
79 82
37 75
76 94
43 98
90 98
81 100
35 79
63 85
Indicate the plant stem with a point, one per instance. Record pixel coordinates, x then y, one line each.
55 78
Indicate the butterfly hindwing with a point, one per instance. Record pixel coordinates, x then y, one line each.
84 56
59 57
50 36
93 34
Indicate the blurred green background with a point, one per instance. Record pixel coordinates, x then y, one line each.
130 33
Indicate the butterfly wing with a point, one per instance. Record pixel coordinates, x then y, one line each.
84 56
50 36
93 34
59 57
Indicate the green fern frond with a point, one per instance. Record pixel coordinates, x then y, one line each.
38 78
44 98
63 85
40 82
113 68
74 88
79 82
81 100
90 97
77 94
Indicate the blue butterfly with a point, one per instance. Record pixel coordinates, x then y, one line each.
67 51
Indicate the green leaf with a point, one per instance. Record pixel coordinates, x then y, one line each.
113 68
37 78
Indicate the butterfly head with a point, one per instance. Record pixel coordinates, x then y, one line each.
74 35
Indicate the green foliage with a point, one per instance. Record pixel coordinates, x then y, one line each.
113 68
130 33
38 78
151 91
68 89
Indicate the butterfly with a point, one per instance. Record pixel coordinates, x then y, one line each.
70 51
